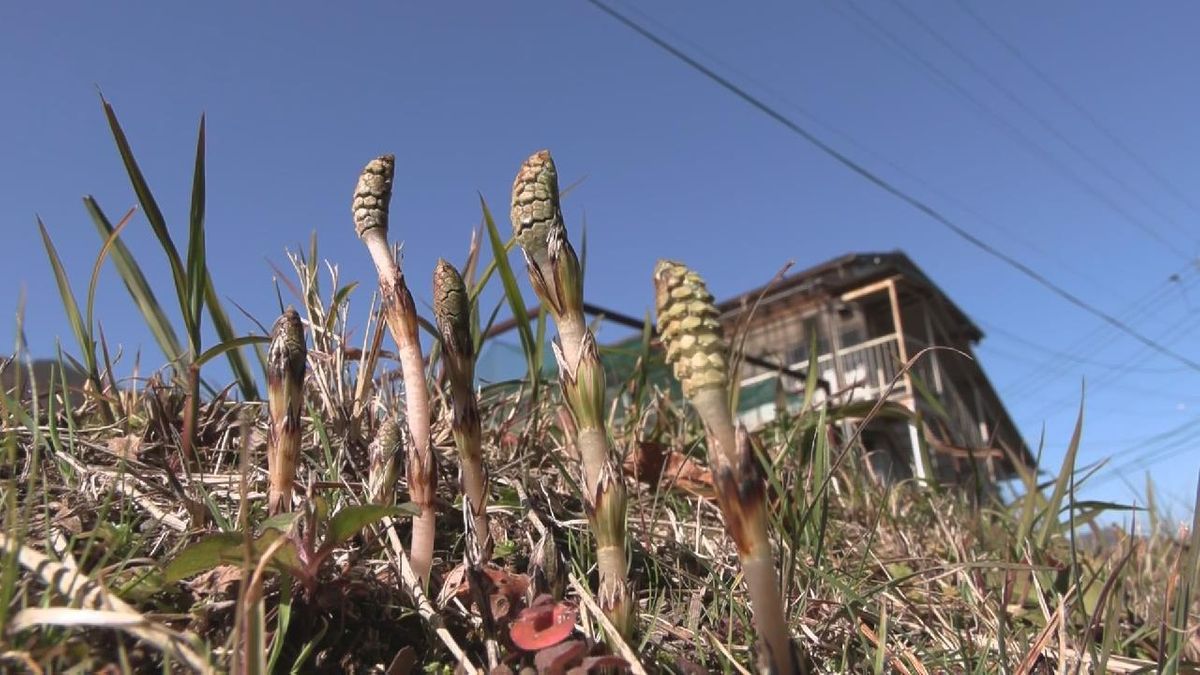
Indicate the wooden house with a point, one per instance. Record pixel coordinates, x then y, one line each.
868 314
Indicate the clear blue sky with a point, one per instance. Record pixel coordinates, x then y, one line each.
298 97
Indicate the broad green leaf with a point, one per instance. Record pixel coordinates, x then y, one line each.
352 519
228 548
279 521
202 556
135 282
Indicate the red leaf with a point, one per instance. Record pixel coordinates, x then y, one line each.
543 626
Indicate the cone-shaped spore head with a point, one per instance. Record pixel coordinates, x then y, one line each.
452 309
689 328
373 195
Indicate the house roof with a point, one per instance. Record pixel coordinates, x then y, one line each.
846 273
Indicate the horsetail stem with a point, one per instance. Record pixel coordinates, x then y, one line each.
285 399
556 277
372 197
452 309
689 328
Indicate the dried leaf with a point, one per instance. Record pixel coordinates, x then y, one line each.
404 662
506 589
216 581
126 447
656 464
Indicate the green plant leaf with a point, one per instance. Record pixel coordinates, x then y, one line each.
197 269
1049 516
83 334
135 282
279 521
352 519
153 214
224 329
202 556
513 292
217 350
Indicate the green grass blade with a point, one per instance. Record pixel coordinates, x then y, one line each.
810 379
1050 516
87 346
89 311
135 282
482 332
150 207
513 292
197 270
225 332
234 343
1179 635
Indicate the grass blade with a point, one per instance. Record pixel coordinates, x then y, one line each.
197 270
150 207
89 310
87 346
513 292
1050 515
225 333
135 282
228 345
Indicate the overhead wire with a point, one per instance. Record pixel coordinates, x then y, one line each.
1060 262
1184 326
1013 132
993 330
888 187
1048 126
1099 336
1083 111
1057 362
1150 451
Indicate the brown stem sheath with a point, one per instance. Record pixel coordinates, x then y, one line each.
285 400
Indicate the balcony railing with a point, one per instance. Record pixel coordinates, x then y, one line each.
864 372
861 371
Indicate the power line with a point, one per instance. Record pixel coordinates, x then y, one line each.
1177 330
1080 108
993 329
1010 130
1099 337
1169 443
888 187
1042 121
1014 235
